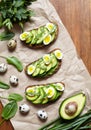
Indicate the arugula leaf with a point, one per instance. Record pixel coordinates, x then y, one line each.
8 23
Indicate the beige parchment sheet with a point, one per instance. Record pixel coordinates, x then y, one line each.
72 72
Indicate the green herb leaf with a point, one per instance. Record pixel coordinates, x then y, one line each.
9 110
15 96
15 62
8 23
6 35
14 11
4 85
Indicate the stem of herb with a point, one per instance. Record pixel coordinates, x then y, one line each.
3 98
2 122
50 123
3 57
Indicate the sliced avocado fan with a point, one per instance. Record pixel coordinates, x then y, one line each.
46 65
42 94
41 36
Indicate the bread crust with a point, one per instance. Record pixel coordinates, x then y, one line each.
43 85
35 46
59 64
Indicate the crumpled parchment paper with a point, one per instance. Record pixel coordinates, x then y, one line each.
72 72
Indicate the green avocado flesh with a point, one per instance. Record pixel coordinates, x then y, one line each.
42 69
79 99
37 36
42 94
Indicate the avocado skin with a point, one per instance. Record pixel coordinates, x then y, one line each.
78 112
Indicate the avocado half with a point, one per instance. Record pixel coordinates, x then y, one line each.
78 101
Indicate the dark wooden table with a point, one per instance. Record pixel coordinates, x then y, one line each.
75 15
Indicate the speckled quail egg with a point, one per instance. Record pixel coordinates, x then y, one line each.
47 40
46 58
3 68
24 36
50 26
24 108
31 69
13 80
12 44
42 114
58 54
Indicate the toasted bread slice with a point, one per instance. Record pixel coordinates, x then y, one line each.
41 36
46 65
45 93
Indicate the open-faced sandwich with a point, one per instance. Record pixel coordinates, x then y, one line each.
46 65
41 36
42 94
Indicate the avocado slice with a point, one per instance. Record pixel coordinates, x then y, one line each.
71 107
53 98
42 68
53 36
34 38
54 60
45 99
40 98
37 70
32 98
52 70
42 32
29 39
49 66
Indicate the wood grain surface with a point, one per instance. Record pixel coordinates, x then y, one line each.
75 15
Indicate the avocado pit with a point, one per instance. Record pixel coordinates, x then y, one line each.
71 108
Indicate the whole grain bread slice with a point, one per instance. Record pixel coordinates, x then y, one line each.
36 46
58 66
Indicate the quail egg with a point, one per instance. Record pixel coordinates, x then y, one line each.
3 68
24 36
47 40
59 86
46 58
58 54
50 26
24 108
42 114
31 69
50 92
13 80
12 44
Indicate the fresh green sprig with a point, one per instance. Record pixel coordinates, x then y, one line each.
80 123
14 11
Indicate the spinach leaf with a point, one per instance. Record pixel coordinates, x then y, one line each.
15 96
9 110
6 35
4 85
15 62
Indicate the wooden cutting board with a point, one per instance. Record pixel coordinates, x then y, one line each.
75 15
